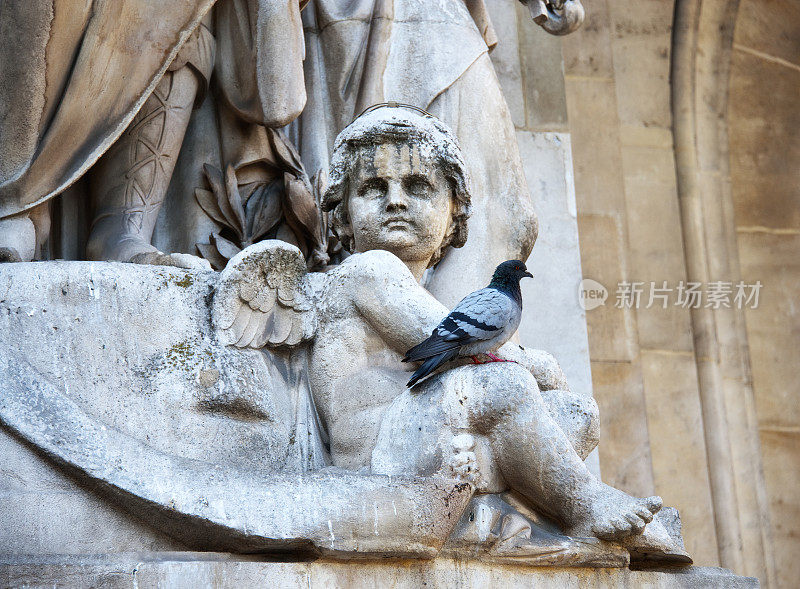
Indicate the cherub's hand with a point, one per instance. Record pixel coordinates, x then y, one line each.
463 462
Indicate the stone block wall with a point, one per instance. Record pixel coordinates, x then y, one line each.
607 89
763 121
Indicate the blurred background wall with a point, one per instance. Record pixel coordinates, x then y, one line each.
684 127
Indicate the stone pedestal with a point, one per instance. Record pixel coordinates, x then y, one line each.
178 570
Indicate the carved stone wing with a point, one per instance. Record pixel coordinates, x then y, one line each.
263 298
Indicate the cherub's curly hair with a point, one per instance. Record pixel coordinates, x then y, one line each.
392 124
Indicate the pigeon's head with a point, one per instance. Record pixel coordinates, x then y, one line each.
509 274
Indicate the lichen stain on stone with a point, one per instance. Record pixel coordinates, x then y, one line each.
185 282
180 355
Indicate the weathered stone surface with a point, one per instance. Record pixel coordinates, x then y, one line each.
205 469
542 77
611 330
762 152
187 570
596 155
587 52
625 451
764 161
640 42
653 214
506 56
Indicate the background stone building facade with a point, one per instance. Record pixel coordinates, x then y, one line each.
683 123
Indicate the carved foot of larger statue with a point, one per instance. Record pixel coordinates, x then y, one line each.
17 239
105 244
9 254
176 260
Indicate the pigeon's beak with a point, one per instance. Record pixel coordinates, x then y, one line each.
528 274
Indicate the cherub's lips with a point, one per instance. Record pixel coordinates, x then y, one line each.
397 221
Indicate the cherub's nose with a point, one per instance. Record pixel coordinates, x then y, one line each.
395 197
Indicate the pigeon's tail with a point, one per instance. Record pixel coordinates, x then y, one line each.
430 365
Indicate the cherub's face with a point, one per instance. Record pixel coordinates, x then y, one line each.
399 201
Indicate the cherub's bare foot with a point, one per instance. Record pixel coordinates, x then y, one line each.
612 515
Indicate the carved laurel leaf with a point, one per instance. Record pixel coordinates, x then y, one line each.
235 200
217 182
210 253
286 152
226 248
207 201
263 210
300 209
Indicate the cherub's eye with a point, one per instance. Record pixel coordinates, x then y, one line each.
417 185
372 188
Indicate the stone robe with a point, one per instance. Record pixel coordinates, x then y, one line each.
75 73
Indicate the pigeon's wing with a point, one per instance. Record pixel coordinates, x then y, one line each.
479 316
263 298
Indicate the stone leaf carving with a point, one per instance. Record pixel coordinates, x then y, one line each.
282 202
263 298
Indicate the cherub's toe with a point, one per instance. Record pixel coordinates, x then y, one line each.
621 527
604 531
653 503
645 514
636 523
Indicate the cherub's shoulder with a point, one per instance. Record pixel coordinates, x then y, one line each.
374 264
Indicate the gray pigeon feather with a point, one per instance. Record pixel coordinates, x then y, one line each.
481 322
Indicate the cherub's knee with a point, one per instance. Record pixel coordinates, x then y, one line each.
501 389
546 371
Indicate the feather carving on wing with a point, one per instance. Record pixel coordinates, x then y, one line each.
263 298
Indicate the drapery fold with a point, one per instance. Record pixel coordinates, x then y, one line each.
121 51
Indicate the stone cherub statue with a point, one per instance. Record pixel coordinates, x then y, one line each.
398 197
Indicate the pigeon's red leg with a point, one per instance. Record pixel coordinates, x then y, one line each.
495 358
475 360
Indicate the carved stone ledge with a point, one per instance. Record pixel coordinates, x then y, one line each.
223 570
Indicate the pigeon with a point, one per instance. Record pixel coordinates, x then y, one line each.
479 324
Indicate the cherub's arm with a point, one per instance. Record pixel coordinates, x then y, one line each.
387 295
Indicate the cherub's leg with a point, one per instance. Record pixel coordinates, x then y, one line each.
538 461
577 416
